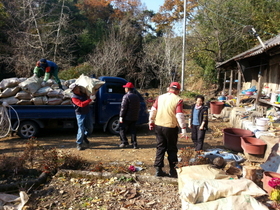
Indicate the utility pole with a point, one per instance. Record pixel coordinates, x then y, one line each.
184 46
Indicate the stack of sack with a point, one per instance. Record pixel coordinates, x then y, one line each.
28 91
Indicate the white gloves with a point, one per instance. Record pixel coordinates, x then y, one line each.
189 124
121 120
184 133
43 84
92 97
5 104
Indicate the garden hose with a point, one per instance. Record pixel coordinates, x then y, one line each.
5 119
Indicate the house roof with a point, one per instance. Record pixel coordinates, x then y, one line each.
257 50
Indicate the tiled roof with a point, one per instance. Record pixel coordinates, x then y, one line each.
275 41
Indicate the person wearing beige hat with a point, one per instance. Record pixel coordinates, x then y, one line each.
166 116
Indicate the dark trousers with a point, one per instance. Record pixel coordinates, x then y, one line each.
128 126
167 139
198 137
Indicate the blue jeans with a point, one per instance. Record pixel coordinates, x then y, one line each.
85 126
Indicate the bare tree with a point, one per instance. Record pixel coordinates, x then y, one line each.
110 57
35 31
162 61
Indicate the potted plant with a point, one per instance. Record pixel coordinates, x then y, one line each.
274 195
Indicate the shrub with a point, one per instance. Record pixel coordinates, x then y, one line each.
76 71
189 94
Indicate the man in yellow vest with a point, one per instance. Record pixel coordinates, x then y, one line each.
166 116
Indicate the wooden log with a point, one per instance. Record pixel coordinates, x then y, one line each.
250 172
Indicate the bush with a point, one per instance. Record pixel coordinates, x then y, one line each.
189 94
76 71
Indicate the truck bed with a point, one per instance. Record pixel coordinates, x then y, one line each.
43 112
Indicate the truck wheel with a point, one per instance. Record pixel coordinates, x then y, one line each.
27 129
113 126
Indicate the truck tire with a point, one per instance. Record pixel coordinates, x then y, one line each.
27 129
113 126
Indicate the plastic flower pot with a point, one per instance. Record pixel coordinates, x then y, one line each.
216 107
267 176
253 145
232 138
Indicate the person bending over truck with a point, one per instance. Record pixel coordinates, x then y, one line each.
47 69
81 103
129 115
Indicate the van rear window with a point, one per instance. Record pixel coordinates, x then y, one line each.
115 89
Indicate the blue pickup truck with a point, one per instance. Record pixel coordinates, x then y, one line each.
105 111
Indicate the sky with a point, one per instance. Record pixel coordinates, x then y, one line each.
153 4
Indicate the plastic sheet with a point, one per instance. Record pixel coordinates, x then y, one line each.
13 202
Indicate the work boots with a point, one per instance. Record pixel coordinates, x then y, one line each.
160 172
173 173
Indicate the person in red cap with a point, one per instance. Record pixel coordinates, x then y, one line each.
129 114
198 122
165 117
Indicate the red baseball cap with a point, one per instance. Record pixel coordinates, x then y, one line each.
128 85
175 85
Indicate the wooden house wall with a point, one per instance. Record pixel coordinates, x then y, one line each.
271 75
272 78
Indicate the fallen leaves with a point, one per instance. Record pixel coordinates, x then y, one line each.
109 193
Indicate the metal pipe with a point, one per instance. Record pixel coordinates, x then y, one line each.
258 37
184 46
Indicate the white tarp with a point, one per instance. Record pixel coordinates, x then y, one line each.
200 172
239 202
200 191
202 187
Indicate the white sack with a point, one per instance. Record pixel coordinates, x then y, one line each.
90 84
240 202
56 93
43 91
67 83
50 82
23 95
10 100
10 82
40 100
66 102
9 92
200 172
67 94
55 101
200 191
24 102
32 84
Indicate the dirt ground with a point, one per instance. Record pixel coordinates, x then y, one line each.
104 147
68 192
